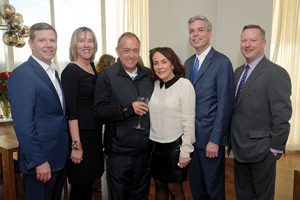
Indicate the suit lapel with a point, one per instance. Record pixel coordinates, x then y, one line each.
237 76
42 74
204 65
63 96
251 79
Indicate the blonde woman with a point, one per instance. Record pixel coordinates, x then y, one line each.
78 81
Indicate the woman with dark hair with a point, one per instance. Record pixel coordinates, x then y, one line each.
172 118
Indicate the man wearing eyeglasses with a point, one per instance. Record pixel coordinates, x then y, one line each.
117 90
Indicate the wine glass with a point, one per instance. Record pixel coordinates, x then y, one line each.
139 125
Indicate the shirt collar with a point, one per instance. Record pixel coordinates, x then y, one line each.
202 56
132 74
45 66
253 64
169 83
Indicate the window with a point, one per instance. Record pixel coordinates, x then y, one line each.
38 11
105 17
67 15
2 55
71 14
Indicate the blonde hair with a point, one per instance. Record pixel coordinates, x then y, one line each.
74 40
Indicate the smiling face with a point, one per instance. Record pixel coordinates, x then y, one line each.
128 51
199 35
252 44
163 67
85 46
44 45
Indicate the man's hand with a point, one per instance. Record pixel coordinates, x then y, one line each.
140 108
43 172
212 150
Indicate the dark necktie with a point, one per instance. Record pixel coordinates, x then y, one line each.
195 69
242 82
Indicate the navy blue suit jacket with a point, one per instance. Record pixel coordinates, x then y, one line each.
214 87
38 118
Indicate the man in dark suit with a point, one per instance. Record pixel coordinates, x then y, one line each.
39 118
260 122
211 74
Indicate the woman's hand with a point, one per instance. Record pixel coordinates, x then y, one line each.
183 162
77 155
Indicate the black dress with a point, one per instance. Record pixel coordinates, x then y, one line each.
78 87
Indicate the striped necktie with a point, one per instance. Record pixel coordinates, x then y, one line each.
242 82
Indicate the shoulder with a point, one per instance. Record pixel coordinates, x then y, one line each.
190 59
239 68
218 56
112 69
71 70
274 70
109 73
23 77
185 83
23 71
186 88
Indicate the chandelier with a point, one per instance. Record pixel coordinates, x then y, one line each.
16 31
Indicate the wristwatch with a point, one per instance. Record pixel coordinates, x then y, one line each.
278 155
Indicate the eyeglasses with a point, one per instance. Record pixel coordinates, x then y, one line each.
127 51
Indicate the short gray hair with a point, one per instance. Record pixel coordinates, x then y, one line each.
202 18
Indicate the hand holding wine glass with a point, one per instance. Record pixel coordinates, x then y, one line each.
139 125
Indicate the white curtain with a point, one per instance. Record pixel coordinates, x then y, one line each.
133 16
285 51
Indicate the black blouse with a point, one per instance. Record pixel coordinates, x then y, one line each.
78 87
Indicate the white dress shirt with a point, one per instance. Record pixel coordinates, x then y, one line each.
50 70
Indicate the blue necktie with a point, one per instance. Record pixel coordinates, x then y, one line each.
195 69
242 82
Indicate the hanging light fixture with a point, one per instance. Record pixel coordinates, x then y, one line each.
16 31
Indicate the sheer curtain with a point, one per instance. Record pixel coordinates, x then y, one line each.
285 51
133 16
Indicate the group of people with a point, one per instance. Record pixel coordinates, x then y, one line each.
171 121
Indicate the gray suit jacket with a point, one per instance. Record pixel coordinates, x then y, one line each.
261 115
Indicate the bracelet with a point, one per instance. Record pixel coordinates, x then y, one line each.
76 145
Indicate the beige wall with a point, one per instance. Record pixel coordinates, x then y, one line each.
168 23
